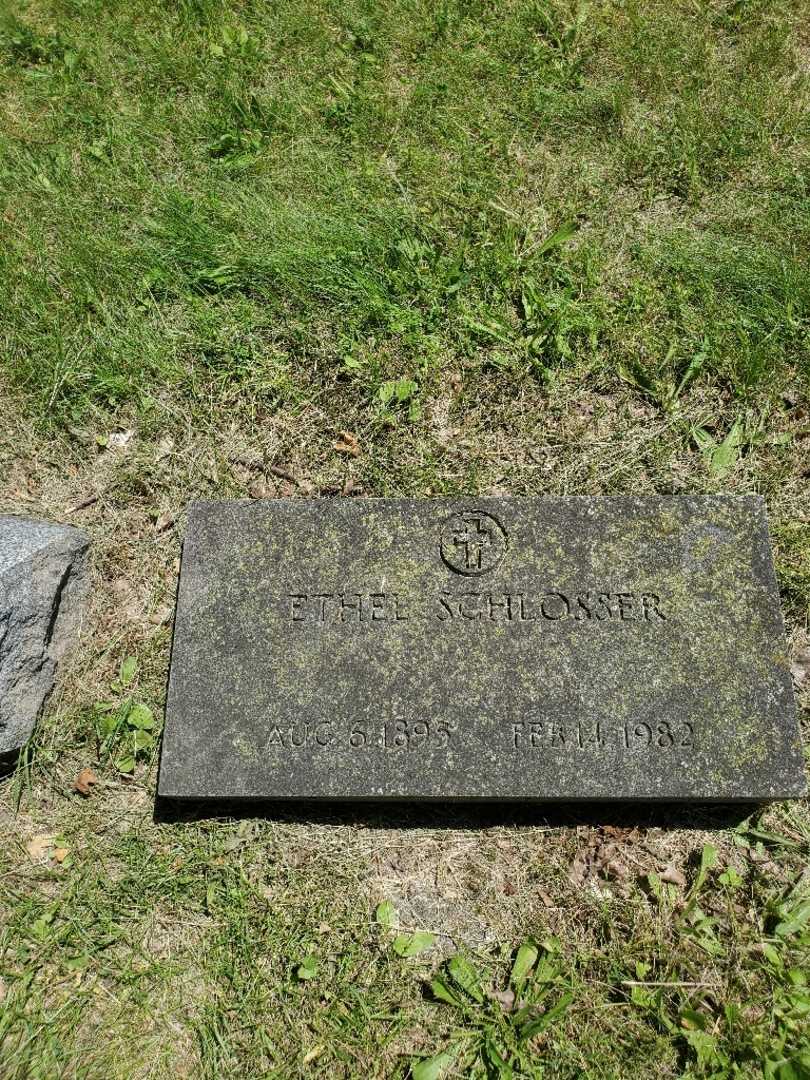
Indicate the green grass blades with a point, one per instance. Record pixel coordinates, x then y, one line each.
225 199
254 250
502 1028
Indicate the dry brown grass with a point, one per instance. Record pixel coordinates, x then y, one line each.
479 878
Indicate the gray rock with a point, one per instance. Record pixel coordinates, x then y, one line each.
481 648
43 582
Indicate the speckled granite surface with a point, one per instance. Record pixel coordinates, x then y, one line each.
480 648
44 579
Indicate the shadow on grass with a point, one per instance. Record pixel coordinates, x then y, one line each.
8 764
459 815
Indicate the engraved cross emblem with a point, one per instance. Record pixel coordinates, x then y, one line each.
474 538
472 542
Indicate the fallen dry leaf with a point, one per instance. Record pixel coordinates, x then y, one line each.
165 520
252 460
39 847
614 870
83 504
60 854
282 473
800 669
84 781
506 999
673 876
117 440
579 868
161 616
618 832
210 470
347 443
601 858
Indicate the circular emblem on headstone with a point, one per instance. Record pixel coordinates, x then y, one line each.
472 542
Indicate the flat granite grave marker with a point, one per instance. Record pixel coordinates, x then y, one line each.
480 648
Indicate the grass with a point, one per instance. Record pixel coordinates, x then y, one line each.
524 248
